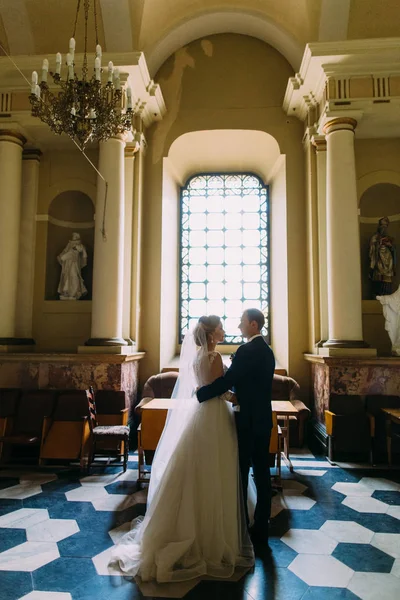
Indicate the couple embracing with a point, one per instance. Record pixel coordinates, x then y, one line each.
199 519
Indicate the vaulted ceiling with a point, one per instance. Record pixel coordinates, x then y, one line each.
159 27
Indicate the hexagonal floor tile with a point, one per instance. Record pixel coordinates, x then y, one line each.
324 571
309 541
21 491
86 493
292 484
53 530
394 511
294 501
114 502
28 556
36 595
396 568
387 542
166 590
352 489
32 476
24 518
363 557
119 532
347 532
369 586
101 563
390 497
378 483
365 505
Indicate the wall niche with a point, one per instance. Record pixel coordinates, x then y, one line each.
380 200
70 212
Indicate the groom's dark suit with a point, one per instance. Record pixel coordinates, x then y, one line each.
250 376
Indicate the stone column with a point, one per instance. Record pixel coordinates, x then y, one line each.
11 144
137 240
108 267
343 239
27 242
319 142
130 150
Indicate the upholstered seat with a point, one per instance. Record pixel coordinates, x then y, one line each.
110 430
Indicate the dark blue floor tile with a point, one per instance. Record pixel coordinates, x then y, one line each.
281 553
326 593
122 487
85 544
11 537
63 574
377 523
392 498
363 557
7 506
60 486
107 588
271 583
14 584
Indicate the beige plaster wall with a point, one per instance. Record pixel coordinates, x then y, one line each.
225 81
60 326
373 19
377 162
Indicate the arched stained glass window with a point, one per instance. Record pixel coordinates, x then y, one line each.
224 250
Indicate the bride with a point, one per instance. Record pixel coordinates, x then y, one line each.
195 521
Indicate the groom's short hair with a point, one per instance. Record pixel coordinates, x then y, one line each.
253 314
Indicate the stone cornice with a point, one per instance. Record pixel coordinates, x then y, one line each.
335 361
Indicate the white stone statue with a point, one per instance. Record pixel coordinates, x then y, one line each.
72 260
391 312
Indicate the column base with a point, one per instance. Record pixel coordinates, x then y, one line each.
121 350
129 341
346 351
332 343
11 344
106 342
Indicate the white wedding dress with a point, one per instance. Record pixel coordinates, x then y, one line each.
194 524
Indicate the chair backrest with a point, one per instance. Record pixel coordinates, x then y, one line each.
110 402
33 406
71 405
9 401
91 408
160 386
284 388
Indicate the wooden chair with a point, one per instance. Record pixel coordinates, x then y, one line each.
102 433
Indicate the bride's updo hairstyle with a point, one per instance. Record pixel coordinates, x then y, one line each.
205 328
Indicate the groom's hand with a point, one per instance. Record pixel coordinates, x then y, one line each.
234 400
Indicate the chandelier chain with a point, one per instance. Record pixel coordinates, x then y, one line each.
95 21
84 67
76 17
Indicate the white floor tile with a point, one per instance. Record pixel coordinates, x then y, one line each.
324 571
292 484
387 542
101 564
365 505
352 489
396 568
378 483
36 595
117 533
53 530
309 541
294 501
347 532
370 586
20 491
29 556
310 472
24 518
394 511
86 493
114 502
319 464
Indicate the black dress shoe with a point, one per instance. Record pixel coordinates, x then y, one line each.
258 537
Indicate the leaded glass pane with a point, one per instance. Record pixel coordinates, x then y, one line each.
224 249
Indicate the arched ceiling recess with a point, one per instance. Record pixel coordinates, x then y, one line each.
229 21
224 150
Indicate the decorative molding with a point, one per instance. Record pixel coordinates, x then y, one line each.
66 224
392 218
319 142
5 103
16 137
339 123
31 154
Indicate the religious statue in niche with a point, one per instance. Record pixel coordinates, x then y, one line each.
382 259
72 260
391 312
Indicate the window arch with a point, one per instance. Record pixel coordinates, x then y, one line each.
224 250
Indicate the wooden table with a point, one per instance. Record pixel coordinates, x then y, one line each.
155 412
285 409
392 416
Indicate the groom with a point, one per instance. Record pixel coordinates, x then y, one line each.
250 375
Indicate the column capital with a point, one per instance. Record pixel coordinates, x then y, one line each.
319 142
340 123
10 135
31 154
131 149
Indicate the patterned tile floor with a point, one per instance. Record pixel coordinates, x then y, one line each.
335 535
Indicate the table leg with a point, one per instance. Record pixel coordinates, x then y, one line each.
286 445
389 439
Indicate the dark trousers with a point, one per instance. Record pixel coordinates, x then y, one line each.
254 451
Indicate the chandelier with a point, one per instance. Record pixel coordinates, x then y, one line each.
85 109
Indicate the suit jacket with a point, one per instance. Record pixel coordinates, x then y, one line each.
250 376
